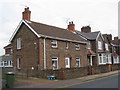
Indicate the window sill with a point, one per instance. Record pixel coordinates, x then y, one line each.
102 63
18 49
55 47
77 49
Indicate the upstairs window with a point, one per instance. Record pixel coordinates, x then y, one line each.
88 45
100 45
106 46
19 43
66 45
54 43
77 46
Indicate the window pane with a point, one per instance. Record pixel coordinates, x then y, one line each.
77 46
67 45
19 43
99 45
55 63
54 43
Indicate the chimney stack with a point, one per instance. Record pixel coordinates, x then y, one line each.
26 14
115 38
109 36
86 29
71 26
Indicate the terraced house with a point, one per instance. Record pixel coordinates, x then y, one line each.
98 46
39 46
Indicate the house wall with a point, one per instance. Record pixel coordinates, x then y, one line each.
94 47
28 53
61 52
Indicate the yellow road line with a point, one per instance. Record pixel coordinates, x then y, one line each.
87 81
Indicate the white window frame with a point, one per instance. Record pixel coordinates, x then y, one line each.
77 46
102 58
7 63
19 43
99 45
106 47
88 45
67 65
55 43
116 59
55 59
108 59
77 60
11 50
67 46
1 63
18 63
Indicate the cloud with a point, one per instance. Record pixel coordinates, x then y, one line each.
100 14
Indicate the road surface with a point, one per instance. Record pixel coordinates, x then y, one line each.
104 82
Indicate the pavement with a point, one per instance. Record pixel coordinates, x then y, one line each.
44 83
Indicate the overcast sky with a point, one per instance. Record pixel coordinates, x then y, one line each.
101 15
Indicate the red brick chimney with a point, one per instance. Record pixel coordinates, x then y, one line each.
86 29
26 14
71 26
115 38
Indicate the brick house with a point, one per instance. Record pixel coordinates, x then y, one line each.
6 60
115 46
39 46
98 50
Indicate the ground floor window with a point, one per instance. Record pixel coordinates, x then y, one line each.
55 63
108 58
104 58
116 59
7 63
77 61
67 62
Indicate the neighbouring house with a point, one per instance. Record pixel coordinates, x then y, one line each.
6 60
97 45
115 44
107 45
39 46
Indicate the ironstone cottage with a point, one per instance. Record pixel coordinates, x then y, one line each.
39 46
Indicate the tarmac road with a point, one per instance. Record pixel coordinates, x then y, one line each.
104 82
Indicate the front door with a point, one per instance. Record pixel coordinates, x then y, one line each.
67 62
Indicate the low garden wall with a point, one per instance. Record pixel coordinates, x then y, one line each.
69 73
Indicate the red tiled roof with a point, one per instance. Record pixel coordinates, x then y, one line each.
90 52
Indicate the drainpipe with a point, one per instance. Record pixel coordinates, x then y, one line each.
44 54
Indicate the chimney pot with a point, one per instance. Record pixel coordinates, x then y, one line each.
71 26
115 38
26 14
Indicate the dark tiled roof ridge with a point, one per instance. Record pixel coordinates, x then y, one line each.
53 31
